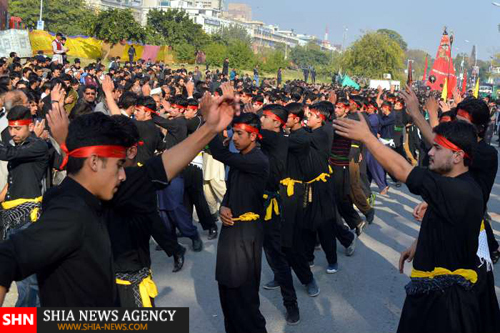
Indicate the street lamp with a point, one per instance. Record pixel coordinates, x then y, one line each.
343 40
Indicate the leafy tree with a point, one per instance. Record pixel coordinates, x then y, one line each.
310 56
272 60
115 25
185 53
69 17
395 36
232 33
174 27
215 54
241 55
373 55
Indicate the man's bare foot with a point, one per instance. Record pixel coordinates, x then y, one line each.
384 191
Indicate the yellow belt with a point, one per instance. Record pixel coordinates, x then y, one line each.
273 205
355 146
147 289
321 177
290 184
14 203
247 217
468 274
482 226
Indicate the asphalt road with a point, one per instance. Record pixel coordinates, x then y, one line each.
365 295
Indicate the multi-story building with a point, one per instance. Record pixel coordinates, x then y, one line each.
239 11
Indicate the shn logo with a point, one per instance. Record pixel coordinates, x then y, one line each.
20 319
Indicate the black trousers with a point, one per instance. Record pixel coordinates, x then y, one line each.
292 235
343 201
326 236
278 261
241 308
193 195
127 299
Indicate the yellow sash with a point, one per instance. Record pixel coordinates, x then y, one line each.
323 177
273 205
14 203
468 274
247 217
290 184
147 289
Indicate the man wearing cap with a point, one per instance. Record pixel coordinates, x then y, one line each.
58 49
440 295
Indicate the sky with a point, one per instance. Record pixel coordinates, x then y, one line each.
420 22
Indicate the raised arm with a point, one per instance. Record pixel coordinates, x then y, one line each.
412 106
108 87
391 161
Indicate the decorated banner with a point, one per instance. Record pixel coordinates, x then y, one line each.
91 48
443 70
14 40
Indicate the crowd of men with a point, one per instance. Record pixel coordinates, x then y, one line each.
98 160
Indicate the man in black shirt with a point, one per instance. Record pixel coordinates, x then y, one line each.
440 296
239 251
73 261
27 158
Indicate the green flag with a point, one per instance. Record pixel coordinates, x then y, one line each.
347 81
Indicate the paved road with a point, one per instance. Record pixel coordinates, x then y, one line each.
366 295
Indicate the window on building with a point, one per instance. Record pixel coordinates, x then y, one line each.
164 3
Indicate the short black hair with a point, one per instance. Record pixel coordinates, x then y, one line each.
297 109
147 101
129 127
325 108
127 100
93 129
278 110
460 133
479 112
19 112
248 118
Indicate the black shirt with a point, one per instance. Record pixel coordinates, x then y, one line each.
151 138
27 165
275 146
484 168
133 216
449 233
299 147
68 248
176 129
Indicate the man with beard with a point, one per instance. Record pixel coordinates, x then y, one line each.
440 295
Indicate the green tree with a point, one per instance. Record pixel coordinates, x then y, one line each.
241 55
232 33
215 54
311 55
174 27
69 17
373 55
115 25
185 53
395 36
272 60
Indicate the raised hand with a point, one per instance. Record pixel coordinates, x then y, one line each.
411 101
332 98
58 121
39 128
146 89
190 88
56 92
107 85
352 129
445 107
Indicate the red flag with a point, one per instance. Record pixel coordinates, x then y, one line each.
425 70
443 69
464 83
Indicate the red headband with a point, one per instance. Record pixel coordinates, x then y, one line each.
464 114
259 103
177 106
445 143
101 151
247 128
20 122
275 117
445 119
146 109
192 107
318 114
